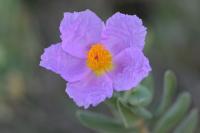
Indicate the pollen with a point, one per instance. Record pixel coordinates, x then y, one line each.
99 59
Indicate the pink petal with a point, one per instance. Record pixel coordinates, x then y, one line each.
79 30
131 66
69 67
91 90
122 31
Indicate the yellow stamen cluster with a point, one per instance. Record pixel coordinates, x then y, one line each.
99 59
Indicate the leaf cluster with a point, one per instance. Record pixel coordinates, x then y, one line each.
133 112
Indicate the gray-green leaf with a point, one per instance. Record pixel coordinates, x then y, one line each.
140 96
100 122
174 114
169 91
189 123
128 117
149 83
142 112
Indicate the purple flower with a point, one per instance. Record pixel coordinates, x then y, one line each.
97 58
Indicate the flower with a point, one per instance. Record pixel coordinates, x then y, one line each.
96 58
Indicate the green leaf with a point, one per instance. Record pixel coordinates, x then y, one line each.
112 105
140 96
128 117
149 83
142 112
189 123
169 91
174 114
100 122
112 102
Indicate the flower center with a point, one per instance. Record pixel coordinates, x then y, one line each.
99 59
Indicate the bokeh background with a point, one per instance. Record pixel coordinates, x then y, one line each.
33 100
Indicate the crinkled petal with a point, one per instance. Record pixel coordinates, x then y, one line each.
91 90
79 30
122 31
131 66
60 62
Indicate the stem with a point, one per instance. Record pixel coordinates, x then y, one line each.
141 126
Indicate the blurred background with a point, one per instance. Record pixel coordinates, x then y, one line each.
33 100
